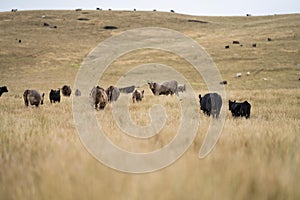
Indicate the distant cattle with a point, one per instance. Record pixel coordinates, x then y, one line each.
227 47
54 96
66 90
98 8
14 10
240 109
164 88
223 82
235 42
254 45
181 88
248 15
78 9
127 90
33 97
46 24
113 93
3 89
154 10
248 73
98 97
134 9
77 93
172 11
238 75
269 39
211 104
137 96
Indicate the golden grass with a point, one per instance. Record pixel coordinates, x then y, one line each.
41 156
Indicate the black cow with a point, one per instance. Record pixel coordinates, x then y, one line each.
227 47
77 93
235 42
3 89
113 93
127 90
54 96
211 104
66 90
240 109
33 97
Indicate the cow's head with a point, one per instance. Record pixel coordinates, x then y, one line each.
4 89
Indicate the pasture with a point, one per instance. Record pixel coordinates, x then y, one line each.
41 156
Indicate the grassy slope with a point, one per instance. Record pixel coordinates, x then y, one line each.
42 157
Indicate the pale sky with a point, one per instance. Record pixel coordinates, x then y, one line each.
193 7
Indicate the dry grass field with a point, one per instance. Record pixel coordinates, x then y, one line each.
42 157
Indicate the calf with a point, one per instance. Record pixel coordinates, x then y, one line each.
33 97
211 104
241 109
66 90
54 96
137 96
3 89
181 88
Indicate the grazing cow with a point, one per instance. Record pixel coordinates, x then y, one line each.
66 90
98 97
181 88
78 9
127 90
137 96
77 93
113 93
3 89
154 10
172 11
269 39
248 15
254 45
54 96
235 42
227 47
165 88
241 109
211 104
33 97
238 75
248 73
14 10
46 24
223 83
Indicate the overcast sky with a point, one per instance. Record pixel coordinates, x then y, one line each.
193 7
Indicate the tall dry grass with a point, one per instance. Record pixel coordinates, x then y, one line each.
41 156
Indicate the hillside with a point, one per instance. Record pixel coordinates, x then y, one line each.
42 157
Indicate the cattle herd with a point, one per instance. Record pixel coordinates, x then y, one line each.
210 103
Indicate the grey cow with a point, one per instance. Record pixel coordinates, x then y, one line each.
164 88
33 97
